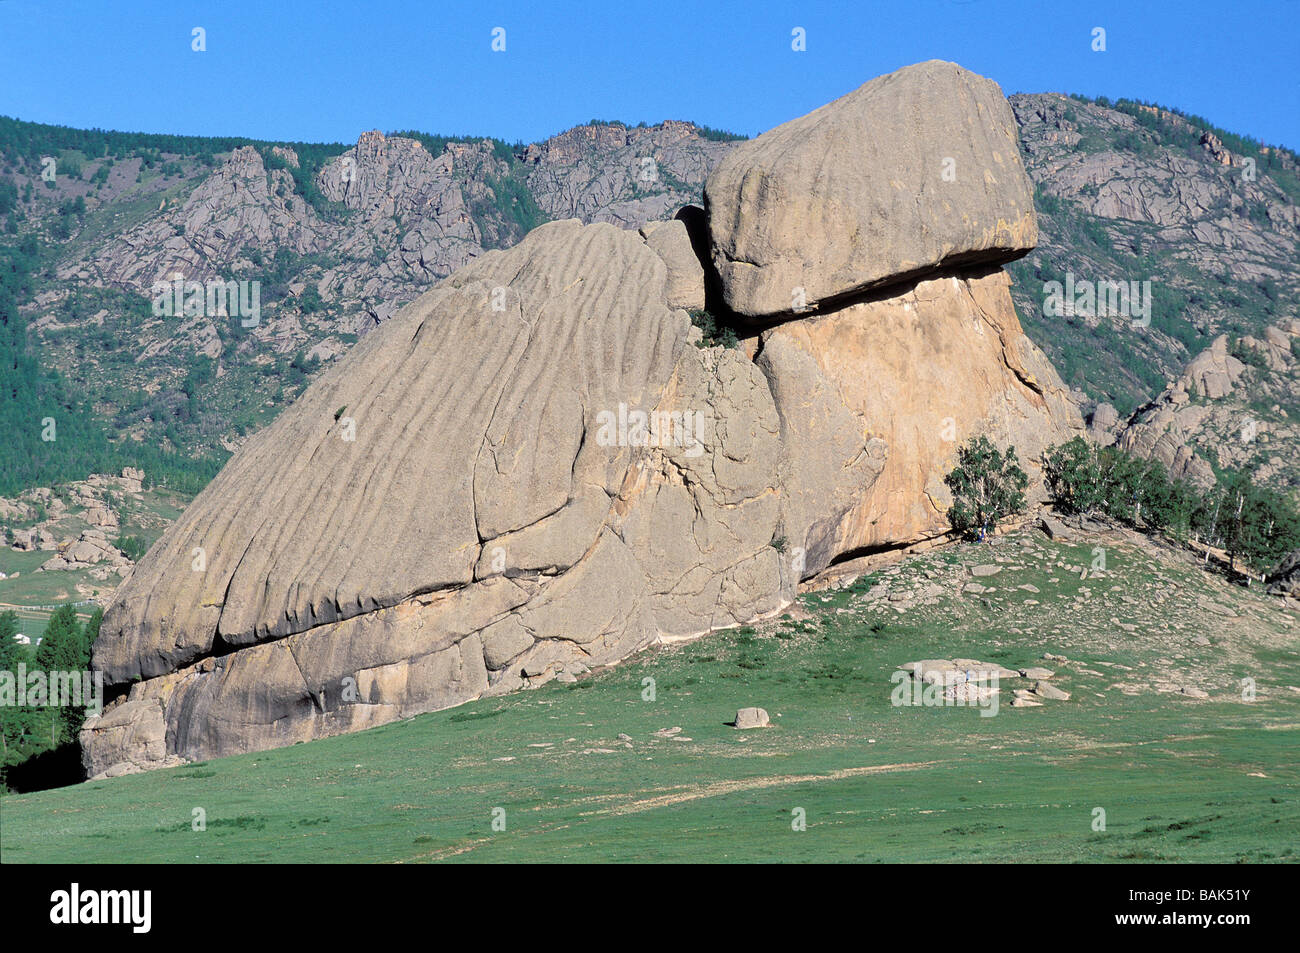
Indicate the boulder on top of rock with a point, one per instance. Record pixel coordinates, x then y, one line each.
916 169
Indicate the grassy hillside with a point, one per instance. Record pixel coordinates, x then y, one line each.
1180 778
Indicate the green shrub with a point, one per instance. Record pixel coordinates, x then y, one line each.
8 196
132 547
1074 477
987 485
70 164
715 334
310 300
1248 522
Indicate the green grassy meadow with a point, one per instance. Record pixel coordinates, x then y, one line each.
1179 778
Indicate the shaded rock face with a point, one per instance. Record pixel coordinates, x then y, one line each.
672 242
534 469
934 177
1284 580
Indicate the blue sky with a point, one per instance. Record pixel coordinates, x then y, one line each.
323 70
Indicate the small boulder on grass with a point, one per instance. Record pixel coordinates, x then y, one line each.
751 718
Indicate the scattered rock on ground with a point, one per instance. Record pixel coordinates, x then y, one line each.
1049 691
1035 672
1054 528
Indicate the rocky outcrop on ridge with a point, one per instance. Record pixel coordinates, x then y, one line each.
1240 414
534 469
1130 192
610 173
410 223
91 548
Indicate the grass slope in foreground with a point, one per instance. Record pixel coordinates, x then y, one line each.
1180 779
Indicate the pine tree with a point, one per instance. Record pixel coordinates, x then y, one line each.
11 654
63 650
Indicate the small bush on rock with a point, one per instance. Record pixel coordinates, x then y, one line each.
714 332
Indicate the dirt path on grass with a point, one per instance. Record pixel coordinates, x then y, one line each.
639 805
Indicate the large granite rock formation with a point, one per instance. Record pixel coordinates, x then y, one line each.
465 502
534 469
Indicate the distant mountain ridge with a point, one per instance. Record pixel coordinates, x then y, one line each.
341 237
